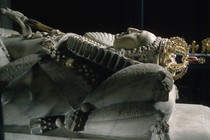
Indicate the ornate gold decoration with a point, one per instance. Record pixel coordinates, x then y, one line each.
173 48
195 60
193 47
68 63
205 45
201 60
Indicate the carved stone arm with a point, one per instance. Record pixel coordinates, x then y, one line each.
26 23
19 18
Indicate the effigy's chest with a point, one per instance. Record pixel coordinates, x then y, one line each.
46 88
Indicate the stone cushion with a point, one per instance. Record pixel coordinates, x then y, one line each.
133 120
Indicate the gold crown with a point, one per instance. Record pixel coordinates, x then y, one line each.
174 56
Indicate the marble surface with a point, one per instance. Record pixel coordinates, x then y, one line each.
190 122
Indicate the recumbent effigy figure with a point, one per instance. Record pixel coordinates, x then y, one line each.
110 86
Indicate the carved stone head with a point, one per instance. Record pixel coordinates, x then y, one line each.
133 38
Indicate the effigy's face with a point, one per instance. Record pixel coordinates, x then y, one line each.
133 38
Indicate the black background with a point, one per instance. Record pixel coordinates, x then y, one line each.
165 18
81 16
188 19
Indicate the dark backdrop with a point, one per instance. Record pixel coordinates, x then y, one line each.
188 19
81 16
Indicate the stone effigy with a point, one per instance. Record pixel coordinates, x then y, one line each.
107 86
